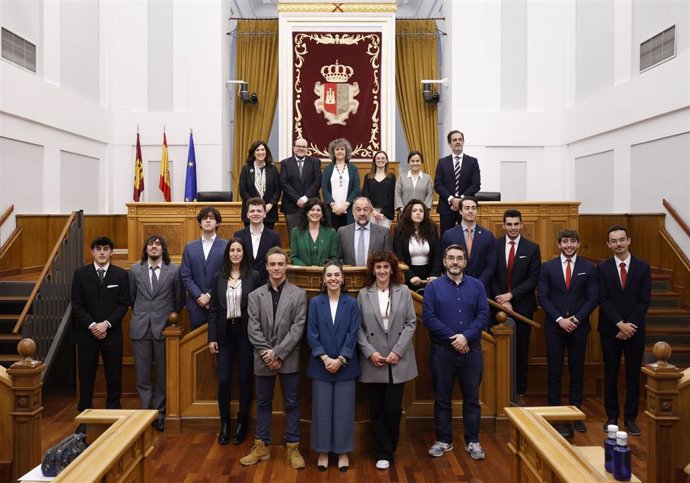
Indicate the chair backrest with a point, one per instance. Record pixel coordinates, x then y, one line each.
214 196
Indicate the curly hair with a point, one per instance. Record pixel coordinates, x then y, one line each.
427 227
311 203
337 143
208 210
253 147
164 247
330 263
379 256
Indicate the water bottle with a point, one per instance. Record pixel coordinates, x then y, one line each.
609 444
621 458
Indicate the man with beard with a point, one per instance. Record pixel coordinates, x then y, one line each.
358 239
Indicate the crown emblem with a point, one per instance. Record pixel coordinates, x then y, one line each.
336 72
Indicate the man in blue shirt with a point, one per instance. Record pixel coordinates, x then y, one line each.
455 312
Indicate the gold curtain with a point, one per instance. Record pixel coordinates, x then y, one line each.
257 64
416 55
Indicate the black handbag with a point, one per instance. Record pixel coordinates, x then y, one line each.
62 454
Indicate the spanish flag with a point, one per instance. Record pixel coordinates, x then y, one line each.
138 173
164 180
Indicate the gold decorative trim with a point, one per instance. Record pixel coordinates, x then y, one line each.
337 7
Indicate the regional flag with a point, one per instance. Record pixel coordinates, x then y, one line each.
190 179
164 180
138 173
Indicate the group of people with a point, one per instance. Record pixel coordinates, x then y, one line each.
257 318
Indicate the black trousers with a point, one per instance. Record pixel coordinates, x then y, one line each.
110 349
450 220
338 220
613 349
385 406
523 333
236 352
556 343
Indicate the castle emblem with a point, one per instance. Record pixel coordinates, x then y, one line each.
336 96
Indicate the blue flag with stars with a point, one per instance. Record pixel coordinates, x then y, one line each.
190 179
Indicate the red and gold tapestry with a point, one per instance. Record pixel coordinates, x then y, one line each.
337 90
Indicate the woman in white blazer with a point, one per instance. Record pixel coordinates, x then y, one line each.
387 357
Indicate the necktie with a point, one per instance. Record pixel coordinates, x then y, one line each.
624 274
511 262
568 274
361 256
101 276
468 242
300 165
154 279
457 175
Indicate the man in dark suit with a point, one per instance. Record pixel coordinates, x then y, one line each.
300 179
155 289
517 273
358 239
100 298
257 237
201 259
625 291
457 176
479 242
568 293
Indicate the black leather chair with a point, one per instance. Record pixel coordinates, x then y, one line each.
488 196
214 196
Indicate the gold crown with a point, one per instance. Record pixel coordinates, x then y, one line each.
336 72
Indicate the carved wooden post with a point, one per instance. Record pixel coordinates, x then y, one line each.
502 334
27 409
662 388
173 334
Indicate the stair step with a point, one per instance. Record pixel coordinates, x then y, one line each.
10 357
13 299
10 337
665 299
16 288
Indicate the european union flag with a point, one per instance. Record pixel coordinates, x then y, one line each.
190 179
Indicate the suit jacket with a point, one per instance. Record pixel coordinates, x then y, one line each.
217 318
405 191
295 186
95 302
372 337
269 238
444 181
150 307
334 339
379 239
557 301
401 246
482 260
283 335
301 246
197 274
524 277
629 304
353 188
271 193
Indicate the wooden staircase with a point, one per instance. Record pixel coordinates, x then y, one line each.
13 298
668 320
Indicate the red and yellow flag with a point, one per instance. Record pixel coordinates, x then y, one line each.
164 180
138 173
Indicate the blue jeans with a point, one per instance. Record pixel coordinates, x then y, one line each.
264 406
447 365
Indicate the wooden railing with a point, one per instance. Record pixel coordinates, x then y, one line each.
6 214
674 214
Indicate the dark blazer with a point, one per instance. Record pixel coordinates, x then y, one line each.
295 186
197 274
524 278
271 194
401 247
557 301
269 238
444 181
629 304
482 261
301 244
217 318
94 302
353 188
333 339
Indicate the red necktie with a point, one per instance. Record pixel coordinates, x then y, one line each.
624 275
511 262
568 274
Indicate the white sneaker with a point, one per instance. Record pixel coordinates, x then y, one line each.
382 464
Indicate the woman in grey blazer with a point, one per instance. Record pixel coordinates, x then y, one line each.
387 357
415 184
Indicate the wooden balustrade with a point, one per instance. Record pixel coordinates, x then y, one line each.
6 214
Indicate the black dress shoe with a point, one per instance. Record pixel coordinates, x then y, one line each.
81 429
606 424
633 428
564 430
159 425
224 435
579 426
241 432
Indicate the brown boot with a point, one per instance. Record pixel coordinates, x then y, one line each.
258 452
294 457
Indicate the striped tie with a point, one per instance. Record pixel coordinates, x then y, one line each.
457 175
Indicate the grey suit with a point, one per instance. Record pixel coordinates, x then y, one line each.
406 191
149 317
373 338
379 239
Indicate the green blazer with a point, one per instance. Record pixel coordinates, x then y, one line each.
305 252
